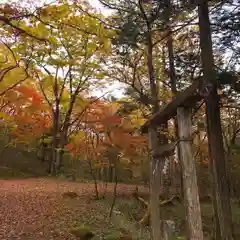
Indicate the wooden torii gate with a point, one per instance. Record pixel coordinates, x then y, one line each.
181 107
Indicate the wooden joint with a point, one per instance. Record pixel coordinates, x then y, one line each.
165 150
206 90
185 139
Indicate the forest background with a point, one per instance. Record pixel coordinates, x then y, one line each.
75 89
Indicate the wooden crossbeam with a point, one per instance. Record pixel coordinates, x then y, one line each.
187 98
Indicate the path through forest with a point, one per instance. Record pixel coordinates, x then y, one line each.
36 209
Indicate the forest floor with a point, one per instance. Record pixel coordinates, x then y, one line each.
37 209
34 209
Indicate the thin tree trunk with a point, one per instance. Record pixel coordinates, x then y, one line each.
115 187
60 154
221 195
157 163
173 82
6 141
94 179
54 141
155 138
191 197
62 144
64 132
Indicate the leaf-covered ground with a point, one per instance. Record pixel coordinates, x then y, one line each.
36 209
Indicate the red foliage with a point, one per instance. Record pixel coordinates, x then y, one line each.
30 94
28 112
104 129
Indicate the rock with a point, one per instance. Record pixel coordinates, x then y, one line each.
82 233
118 237
70 194
168 229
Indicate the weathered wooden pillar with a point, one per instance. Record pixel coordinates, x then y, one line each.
190 187
155 171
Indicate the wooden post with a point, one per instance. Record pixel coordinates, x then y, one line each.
191 197
155 172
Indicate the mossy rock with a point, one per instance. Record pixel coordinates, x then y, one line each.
70 194
82 232
117 236
70 177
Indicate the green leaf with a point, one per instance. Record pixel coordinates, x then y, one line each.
91 48
17 57
47 140
14 22
62 11
100 75
53 40
5 116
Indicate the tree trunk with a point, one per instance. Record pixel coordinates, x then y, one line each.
110 172
62 144
94 179
221 195
173 82
155 139
116 160
6 141
64 132
55 129
191 198
54 146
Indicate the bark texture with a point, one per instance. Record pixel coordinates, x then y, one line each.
190 187
221 192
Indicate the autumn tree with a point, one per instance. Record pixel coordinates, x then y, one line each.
25 116
107 139
68 62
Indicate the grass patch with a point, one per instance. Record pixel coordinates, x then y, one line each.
133 211
96 217
12 173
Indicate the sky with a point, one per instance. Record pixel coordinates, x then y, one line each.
100 7
116 89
